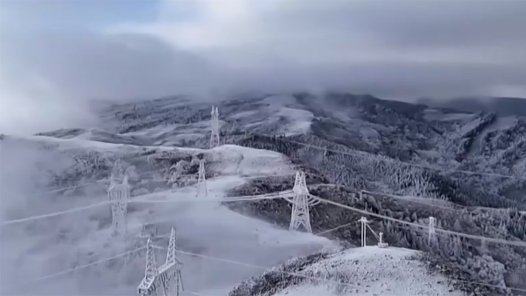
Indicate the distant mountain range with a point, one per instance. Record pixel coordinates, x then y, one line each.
500 105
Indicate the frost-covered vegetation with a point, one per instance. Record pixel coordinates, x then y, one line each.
383 147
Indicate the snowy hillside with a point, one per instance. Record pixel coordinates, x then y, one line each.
365 271
42 247
441 138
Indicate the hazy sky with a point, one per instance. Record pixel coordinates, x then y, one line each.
56 54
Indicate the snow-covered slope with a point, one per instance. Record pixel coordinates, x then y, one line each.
414 133
373 271
444 138
364 271
42 247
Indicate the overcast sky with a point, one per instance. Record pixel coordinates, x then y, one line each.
57 54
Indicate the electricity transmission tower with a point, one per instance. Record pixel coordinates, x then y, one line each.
118 195
117 170
202 190
214 122
166 278
148 285
431 235
149 231
170 272
301 201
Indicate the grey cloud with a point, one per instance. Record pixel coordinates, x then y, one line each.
397 80
442 23
491 27
48 79
299 45
116 66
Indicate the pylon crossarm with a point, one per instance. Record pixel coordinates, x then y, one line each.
290 199
313 200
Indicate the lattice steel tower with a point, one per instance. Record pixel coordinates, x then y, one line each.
202 190
301 201
170 272
118 195
431 231
149 283
214 122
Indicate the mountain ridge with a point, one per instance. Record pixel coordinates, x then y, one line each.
500 105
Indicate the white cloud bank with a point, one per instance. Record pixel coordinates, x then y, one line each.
400 49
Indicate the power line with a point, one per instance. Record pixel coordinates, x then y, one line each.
419 226
336 228
309 277
102 181
264 268
78 209
139 201
79 267
235 262
73 210
411 199
488 239
253 198
248 198
244 264
363 154
471 236
465 281
94 182
236 199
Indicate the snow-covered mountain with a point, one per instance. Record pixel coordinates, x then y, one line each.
262 137
364 271
442 138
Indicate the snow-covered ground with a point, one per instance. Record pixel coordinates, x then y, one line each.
372 271
43 247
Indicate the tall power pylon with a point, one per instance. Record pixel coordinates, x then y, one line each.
118 195
301 201
431 231
214 127
171 255
170 272
148 285
202 190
